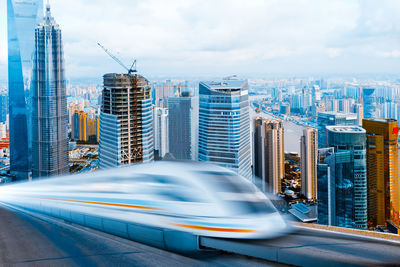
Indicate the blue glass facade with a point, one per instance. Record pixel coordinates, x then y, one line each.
22 18
369 103
3 108
224 125
333 118
345 197
182 127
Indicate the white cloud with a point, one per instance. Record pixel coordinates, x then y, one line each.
204 36
389 54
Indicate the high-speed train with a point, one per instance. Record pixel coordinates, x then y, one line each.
199 198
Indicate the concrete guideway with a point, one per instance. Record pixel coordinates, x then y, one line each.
28 238
314 247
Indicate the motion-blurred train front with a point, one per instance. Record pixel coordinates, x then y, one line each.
198 198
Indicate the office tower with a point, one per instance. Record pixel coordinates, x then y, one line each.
359 110
160 132
316 94
345 105
308 157
323 186
268 153
3 108
92 130
382 171
126 125
332 118
347 183
22 18
369 103
75 131
85 127
83 119
316 109
285 109
389 110
183 127
224 130
50 117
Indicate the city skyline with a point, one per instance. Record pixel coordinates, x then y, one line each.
200 38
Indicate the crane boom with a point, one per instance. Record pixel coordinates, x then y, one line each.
130 70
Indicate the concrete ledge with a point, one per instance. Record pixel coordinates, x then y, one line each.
365 233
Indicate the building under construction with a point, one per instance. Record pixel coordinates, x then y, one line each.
126 125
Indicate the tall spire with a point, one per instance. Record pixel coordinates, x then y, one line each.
48 14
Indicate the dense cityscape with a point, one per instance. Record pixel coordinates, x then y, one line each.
325 148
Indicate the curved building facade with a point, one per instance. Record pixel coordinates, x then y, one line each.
369 103
224 125
22 19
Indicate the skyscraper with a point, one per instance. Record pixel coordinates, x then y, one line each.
22 18
50 117
3 108
269 155
359 110
160 132
383 171
224 130
183 127
333 118
126 125
347 186
308 157
369 103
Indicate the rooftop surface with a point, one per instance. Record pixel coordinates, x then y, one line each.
346 129
224 84
338 114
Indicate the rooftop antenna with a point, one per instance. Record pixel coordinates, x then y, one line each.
130 70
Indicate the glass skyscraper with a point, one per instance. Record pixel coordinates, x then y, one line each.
182 127
50 117
22 18
347 179
224 125
369 103
333 118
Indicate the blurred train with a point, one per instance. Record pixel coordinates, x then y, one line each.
197 198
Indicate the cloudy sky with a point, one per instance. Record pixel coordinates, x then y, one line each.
222 37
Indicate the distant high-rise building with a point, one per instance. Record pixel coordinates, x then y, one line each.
3 108
359 110
268 153
389 110
316 93
183 127
85 128
316 109
160 132
224 128
50 117
346 104
382 171
126 125
308 157
332 118
369 103
347 180
22 18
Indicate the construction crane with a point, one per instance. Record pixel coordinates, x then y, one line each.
130 70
